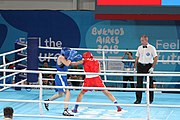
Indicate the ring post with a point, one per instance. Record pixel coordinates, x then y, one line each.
40 94
4 73
32 58
147 97
104 65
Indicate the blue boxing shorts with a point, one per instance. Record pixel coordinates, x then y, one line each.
61 80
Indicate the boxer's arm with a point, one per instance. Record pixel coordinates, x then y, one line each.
99 68
61 59
77 63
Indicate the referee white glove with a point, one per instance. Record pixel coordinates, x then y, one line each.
151 70
134 70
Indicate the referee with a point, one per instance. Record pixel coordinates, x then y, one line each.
146 59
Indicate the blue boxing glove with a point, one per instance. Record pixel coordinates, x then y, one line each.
72 54
77 57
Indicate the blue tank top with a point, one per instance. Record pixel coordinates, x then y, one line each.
61 68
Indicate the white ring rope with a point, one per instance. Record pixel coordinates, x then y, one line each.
12 74
117 81
91 88
14 51
22 44
73 117
87 73
13 62
87 103
14 84
40 101
81 103
22 59
110 71
115 50
120 60
20 54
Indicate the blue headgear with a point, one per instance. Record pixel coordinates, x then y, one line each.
65 51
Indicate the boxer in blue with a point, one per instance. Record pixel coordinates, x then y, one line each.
63 61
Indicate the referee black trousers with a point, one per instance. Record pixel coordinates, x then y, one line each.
143 68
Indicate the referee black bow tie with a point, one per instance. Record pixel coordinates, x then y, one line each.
144 46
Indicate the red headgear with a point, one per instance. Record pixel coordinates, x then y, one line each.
87 55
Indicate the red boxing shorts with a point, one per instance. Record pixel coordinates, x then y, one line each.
93 82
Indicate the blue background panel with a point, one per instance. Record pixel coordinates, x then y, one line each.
171 2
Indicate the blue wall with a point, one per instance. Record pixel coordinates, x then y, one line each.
80 29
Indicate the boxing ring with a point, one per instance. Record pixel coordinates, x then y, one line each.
29 104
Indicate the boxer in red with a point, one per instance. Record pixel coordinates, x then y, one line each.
92 65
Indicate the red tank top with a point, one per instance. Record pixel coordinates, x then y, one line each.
91 65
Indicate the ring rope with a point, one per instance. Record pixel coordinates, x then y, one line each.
91 88
82 73
121 60
88 103
85 49
22 59
14 51
113 81
114 71
73 117
14 84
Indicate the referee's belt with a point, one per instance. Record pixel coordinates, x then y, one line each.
144 64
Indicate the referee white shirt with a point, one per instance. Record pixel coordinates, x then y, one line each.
146 54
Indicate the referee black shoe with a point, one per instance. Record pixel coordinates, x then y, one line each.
151 102
137 102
